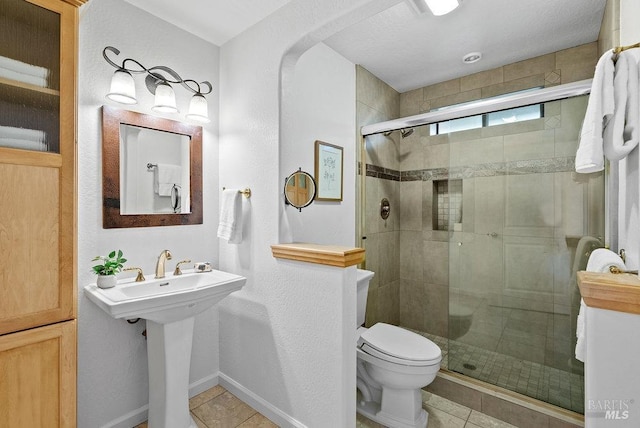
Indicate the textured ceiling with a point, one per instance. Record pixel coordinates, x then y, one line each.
406 49
216 21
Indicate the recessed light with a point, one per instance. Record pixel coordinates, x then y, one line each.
472 57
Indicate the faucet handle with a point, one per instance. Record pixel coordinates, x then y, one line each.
178 271
140 276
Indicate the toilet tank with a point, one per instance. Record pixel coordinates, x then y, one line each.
363 278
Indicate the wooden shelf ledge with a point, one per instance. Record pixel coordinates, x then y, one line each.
332 255
616 292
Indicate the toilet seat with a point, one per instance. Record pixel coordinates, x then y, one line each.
397 345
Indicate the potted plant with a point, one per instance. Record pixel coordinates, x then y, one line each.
107 270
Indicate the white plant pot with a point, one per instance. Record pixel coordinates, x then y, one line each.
106 281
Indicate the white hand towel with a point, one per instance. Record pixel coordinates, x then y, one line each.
621 133
600 260
165 177
230 227
590 154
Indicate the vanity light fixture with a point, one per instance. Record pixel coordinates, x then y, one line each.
442 7
158 80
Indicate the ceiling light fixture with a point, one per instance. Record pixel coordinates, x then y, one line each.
472 57
442 7
158 80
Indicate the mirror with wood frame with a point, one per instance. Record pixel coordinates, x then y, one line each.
151 170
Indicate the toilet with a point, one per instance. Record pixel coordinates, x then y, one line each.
394 364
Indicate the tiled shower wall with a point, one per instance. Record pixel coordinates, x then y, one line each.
411 260
377 102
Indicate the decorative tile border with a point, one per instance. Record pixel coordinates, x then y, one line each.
522 167
383 173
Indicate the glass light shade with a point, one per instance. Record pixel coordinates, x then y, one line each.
198 109
442 7
165 101
123 88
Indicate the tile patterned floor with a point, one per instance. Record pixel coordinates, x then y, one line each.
549 384
444 413
218 408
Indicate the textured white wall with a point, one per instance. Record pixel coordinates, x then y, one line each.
288 336
324 108
112 366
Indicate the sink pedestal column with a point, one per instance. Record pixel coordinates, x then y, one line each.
169 357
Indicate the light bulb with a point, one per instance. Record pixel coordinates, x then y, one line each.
123 88
198 109
165 101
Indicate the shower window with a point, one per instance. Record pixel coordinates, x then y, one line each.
518 114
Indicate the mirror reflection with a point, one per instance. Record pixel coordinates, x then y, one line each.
154 171
299 189
151 170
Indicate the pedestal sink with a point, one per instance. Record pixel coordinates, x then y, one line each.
169 306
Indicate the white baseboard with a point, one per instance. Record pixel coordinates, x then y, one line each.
267 409
139 415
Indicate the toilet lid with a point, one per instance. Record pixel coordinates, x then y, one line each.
399 343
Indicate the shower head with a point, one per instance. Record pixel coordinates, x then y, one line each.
406 132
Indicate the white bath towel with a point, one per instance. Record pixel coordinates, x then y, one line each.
590 154
17 143
24 78
22 133
230 227
23 67
165 177
600 260
621 132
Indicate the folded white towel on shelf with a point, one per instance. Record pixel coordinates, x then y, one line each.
24 78
22 133
23 67
230 227
165 177
600 260
621 132
590 154
16 143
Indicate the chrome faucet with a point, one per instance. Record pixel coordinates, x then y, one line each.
162 259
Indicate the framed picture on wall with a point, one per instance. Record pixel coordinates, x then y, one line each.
328 171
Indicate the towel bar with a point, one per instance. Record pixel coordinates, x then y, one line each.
615 269
246 192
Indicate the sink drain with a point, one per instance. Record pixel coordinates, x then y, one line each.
469 366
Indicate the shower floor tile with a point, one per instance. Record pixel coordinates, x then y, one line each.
531 378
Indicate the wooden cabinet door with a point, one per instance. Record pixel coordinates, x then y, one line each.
37 178
38 377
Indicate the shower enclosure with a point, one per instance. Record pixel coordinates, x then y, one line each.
478 252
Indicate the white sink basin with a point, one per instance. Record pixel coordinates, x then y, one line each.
168 299
169 306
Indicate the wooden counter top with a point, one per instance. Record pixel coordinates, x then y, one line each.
332 255
616 292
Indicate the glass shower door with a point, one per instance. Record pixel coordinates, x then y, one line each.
512 250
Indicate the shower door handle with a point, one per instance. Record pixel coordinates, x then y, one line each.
492 234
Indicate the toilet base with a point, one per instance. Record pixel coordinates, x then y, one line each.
371 410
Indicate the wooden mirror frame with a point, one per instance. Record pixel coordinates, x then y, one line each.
112 118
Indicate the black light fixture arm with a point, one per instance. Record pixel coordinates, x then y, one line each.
157 74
